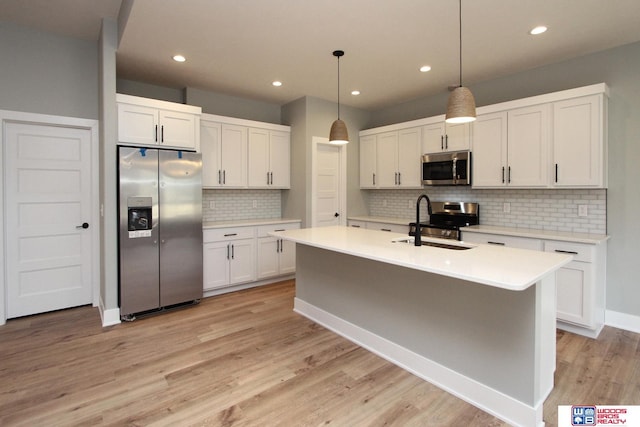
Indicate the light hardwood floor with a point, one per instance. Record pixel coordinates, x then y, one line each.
246 359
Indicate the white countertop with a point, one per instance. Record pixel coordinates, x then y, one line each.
247 222
383 219
593 239
506 268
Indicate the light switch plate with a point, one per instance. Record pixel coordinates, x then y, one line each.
506 207
583 210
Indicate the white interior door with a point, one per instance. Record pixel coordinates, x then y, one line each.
328 185
48 190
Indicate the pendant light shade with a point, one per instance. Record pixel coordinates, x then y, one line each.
461 107
338 134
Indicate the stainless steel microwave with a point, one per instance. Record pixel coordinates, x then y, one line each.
447 168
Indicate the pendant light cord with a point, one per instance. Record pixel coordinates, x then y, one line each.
338 87
460 28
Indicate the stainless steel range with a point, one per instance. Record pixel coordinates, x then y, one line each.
446 219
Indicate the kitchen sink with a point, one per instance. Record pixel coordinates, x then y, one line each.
409 240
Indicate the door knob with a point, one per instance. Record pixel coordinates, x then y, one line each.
336 214
84 225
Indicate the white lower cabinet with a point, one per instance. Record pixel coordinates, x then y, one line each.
382 226
229 257
580 285
243 255
276 257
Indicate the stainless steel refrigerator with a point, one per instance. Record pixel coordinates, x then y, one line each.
160 237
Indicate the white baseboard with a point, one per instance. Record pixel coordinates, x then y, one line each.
109 316
624 321
479 395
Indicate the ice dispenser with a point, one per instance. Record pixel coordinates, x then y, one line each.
140 218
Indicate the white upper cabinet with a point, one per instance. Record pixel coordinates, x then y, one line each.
391 159
510 148
578 143
269 159
528 144
440 137
489 156
368 162
149 122
237 154
224 155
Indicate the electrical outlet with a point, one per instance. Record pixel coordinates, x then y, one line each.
506 207
255 204
212 204
583 210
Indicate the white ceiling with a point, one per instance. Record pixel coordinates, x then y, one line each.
238 47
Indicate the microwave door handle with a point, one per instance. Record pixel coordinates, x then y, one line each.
455 174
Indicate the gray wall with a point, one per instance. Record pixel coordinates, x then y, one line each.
619 69
47 74
146 90
232 106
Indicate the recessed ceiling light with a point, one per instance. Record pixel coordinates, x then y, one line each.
277 83
355 92
538 30
179 58
425 68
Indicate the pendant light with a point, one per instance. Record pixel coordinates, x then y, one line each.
461 107
338 134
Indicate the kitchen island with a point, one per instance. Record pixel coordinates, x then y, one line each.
479 323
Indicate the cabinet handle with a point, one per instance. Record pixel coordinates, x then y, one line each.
224 176
509 176
355 226
385 229
219 176
566 252
232 251
271 178
496 243
374 179
399 179
395 178
156 134
280 242
162 133
441 142
228 251
230 234
267 178
503 174
279 229
556 172
446 142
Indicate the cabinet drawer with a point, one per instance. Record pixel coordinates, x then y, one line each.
357 224
500 240
222 234
264 230
394 228
580 252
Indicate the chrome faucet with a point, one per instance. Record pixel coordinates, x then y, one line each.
418 236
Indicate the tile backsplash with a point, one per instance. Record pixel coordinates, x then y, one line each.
539 209
226 205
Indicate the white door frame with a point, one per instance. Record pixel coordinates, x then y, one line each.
44 119
315 141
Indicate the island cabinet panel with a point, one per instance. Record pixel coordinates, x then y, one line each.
493 347
579 151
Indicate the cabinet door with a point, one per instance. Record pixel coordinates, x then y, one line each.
528 136
177 129
279 159
368 162
457 137
268 257
433 138
387 155
137 124
287 257
258 158
242 263
215 265
210 149
577 143
233 156
489 153
574 293
409 158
